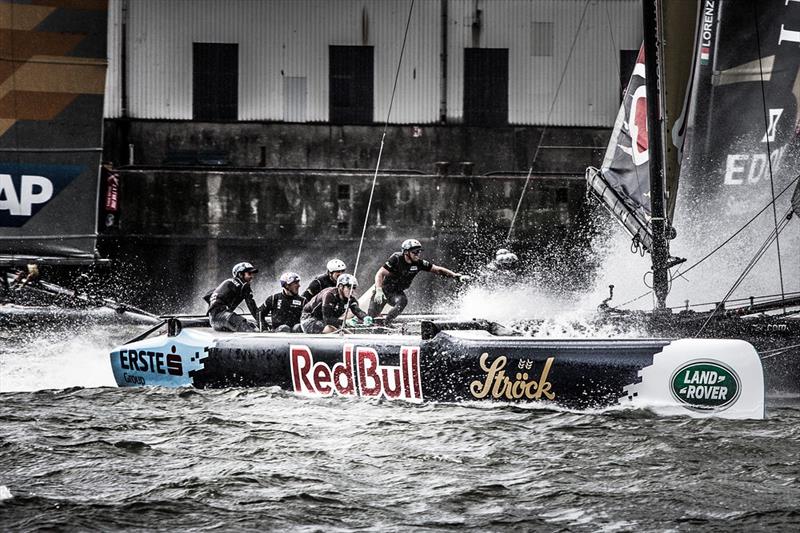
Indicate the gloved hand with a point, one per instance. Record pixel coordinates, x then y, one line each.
463 278
368 321
378 297
351 322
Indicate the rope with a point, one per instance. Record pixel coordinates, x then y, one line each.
769 151
383 137
547 120
777 351
380 154
756 258
729 239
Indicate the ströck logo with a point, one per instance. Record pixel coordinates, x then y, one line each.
705 386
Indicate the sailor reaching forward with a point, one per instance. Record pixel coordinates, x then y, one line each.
323 313
224 300
396 275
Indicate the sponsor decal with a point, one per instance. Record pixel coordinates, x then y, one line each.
359 373
522 385
151 362
26 189
705 386
707 33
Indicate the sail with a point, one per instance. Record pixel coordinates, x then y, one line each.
742 141
52 80
623 181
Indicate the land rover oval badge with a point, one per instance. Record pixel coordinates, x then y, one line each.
706 386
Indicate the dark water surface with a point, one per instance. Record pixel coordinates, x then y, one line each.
76 453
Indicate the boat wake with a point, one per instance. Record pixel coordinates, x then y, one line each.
58 359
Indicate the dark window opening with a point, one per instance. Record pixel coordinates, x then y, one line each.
562 196
351 84
343 192
344 227
627 62
215 81
486 86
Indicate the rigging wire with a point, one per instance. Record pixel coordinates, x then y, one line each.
547 120
380 154
753 261
769 151
383 138
720 246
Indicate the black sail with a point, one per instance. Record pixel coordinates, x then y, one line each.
52 81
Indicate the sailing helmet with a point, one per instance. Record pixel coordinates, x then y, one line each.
507 258
240 268
347 280
501 252
410 245
336 265
287 278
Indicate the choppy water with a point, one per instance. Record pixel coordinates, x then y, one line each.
90 456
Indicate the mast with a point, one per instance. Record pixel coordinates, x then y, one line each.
660 251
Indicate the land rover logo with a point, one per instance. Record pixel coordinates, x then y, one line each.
705 386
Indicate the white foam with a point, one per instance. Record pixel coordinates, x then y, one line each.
5 494
58 360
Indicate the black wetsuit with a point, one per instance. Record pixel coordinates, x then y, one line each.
285 310
401 274
223 302
326 308
323 281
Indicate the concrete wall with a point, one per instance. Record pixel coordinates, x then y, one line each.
181 230
274 145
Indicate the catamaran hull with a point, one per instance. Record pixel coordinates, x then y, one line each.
694 377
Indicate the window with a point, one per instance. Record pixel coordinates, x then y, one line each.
215 81
486 86
351 81
541 38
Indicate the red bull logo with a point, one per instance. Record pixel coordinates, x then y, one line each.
359 373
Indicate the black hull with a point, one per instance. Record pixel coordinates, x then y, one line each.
448 362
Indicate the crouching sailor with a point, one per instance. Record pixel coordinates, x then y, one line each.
396 275
224 300
323 313
336 268
285 307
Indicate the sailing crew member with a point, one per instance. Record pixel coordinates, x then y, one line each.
396 275
502 268
336 268
323 313
224 300
286 306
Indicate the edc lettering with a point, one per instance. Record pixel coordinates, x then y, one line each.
153 362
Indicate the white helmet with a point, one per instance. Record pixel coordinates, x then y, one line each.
336 265
411 244
508 258
239 268
287 278
347 280
500 252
